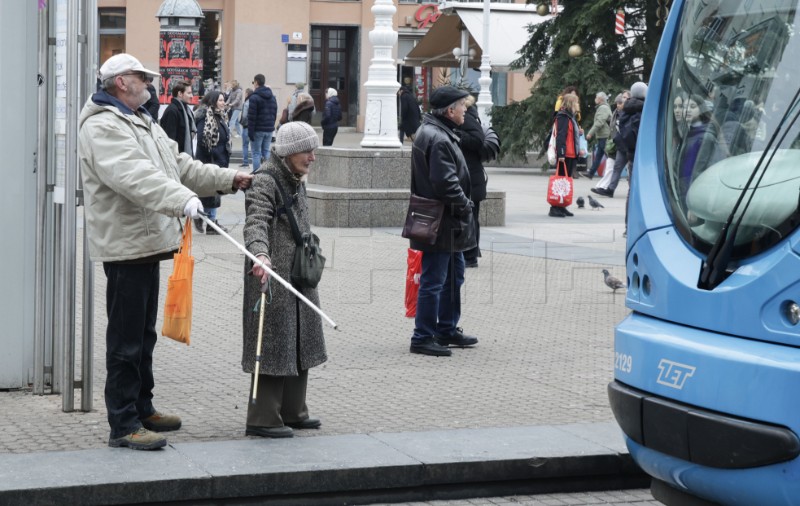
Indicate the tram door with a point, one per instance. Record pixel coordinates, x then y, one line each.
334 64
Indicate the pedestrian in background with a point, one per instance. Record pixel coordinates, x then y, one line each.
472 139
611 148
567 145
410 114
601 128
213 146
178 119
261 120
244 124
135 197
293 340
439 172
234 105
299 88
331 117
152 104
303 109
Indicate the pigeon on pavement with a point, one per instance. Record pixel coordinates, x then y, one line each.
611 281
580 202
594 203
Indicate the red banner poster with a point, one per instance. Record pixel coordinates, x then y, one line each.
180 59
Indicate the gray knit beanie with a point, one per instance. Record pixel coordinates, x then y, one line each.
295 137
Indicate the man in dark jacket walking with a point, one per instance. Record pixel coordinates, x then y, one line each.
627 134
177 120
261 116
439 172
409 113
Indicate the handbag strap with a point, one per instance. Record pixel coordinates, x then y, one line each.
559 164
287 204
186 240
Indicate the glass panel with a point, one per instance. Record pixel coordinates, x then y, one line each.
113 19
316 38
734 77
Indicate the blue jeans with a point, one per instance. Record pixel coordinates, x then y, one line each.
260 144
597 155
234 121
439 297
132 307
245 147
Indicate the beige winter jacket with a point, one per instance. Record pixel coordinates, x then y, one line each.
135 183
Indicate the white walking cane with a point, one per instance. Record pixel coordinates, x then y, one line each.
258 345
271 272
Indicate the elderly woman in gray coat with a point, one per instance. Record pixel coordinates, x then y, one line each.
293 341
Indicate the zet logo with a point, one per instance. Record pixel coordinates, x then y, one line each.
673 374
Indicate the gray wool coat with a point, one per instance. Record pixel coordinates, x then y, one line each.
293 340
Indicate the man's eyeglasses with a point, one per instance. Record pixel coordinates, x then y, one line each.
140 75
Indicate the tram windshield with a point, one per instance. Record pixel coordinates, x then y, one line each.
733 114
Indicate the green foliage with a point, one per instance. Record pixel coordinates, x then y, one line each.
609 63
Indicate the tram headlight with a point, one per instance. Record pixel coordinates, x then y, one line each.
792 310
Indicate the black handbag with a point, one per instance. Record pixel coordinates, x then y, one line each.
308 262
423 219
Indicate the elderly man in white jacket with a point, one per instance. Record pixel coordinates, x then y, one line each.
137 187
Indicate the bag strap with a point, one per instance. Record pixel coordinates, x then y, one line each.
287 203
559 164
186 240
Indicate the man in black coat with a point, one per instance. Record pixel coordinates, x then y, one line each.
261 116
439 172
177 120
409 113
472 139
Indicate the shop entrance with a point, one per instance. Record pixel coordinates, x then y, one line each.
334 64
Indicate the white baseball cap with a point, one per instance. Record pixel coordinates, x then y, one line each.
122 63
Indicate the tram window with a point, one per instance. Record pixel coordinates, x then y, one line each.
734 83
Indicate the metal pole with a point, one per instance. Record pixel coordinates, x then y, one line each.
39 301
485 96
464 53
69 214
87 319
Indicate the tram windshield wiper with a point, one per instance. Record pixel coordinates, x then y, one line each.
716 266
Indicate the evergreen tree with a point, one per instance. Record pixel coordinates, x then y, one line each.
608 62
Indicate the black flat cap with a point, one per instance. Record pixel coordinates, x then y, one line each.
446 95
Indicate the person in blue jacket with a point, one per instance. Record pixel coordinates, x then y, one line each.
330 117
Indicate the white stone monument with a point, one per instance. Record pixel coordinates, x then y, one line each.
380 129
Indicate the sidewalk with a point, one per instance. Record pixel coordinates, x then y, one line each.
531 396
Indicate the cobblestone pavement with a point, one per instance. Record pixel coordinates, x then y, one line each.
610 498
537 302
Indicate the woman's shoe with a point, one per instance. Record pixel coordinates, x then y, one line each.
556 212
566 211
198 225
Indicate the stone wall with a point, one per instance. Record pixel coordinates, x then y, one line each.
362 188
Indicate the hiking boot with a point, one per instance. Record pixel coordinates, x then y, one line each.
276 432
308 423
429 346
457 339
160 422
556 212
566 212
142 439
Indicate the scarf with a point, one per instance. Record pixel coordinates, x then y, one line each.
211 129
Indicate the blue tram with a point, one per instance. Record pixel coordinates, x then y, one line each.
707 365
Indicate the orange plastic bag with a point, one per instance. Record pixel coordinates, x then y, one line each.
412 281
178 306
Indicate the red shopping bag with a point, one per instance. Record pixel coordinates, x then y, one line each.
559 189
412 281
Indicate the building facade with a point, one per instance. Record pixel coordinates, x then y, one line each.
324 43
